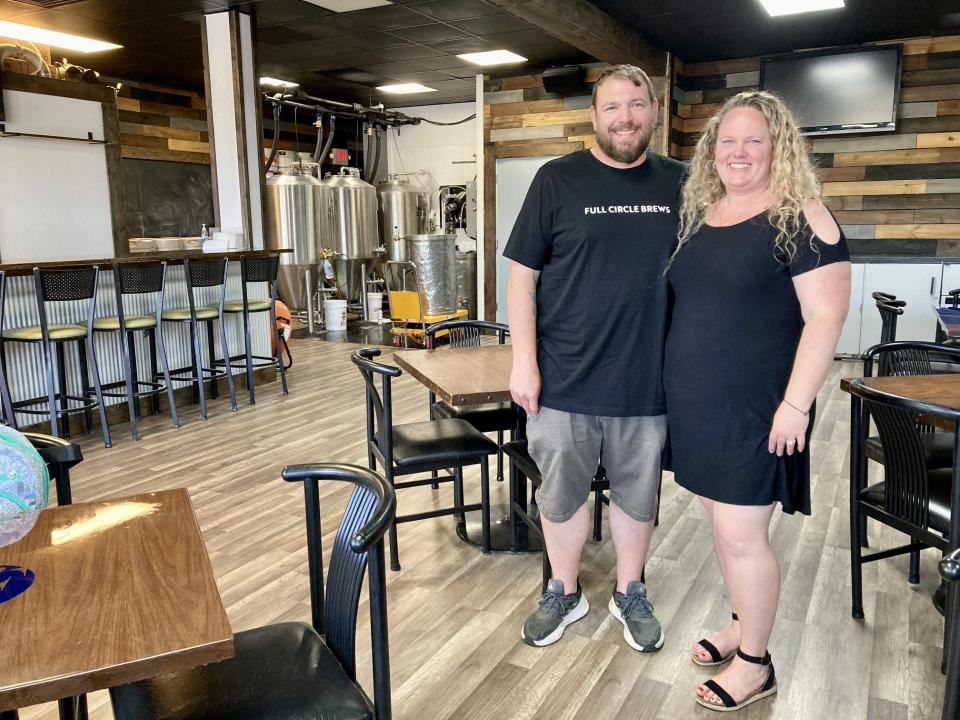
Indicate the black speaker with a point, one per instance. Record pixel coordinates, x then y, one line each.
563 79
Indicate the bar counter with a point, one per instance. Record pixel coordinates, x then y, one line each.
171 258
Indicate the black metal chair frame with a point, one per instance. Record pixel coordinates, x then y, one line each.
950 571
198 274
6 404
137 278
463 332
81 284
379 410
358 548
259 269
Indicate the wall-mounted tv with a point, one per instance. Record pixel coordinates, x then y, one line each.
847 90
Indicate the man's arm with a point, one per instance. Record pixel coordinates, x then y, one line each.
522 316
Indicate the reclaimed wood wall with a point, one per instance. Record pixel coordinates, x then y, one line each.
894 193
162 123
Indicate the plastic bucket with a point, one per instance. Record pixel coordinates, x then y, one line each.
335 314
375 307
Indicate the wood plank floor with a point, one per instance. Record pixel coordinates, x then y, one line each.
455 615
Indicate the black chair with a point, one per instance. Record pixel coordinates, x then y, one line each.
950 572
6 405
139 278
258 270
421 447
296 670
489 417
914 497
204 274
58 285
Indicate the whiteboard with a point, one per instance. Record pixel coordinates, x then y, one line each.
514 176
54 194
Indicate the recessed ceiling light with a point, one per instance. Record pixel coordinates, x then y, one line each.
348 5
775 8
282 84
53 38
405 88
492 57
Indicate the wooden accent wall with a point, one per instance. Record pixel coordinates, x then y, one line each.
894 193
522 119
163 123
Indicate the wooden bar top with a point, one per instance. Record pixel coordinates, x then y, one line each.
123 591
462 376
174 258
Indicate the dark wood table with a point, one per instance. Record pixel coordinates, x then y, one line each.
473 376
935 390
123 591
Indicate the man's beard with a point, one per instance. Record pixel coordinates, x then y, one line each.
624 153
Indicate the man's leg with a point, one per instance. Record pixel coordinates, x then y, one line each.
631 540
565 541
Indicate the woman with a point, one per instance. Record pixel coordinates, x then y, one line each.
761 285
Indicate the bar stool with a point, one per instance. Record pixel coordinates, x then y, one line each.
9 418
254 270
64 285
139 278
203 274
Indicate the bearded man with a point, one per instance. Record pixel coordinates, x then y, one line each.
587 306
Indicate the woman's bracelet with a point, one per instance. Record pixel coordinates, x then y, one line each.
802 412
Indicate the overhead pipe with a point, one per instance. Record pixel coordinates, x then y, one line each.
9 51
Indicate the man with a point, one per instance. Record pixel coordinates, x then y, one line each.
587 306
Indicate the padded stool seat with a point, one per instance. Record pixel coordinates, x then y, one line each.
182 314
441 443
516 450
279 672
252 306
489 417
939 482
56 332
132 322
937 447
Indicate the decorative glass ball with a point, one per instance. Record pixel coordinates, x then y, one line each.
24 485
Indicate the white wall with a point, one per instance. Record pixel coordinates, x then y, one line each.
436 148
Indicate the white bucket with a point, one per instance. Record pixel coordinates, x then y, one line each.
375 307
335 314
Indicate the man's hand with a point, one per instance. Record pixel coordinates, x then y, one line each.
525 387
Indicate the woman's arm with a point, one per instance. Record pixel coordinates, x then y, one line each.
824 296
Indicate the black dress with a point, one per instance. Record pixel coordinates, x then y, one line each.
733 336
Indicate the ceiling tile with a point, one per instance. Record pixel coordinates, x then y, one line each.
65 22
342 60
316 47
443 62
9 9
391 69
389 17
457 47
431 34
123 11
281 35
456 9
282 11
474 70
362 77
427 77
491 24
332 25
372 40
410 52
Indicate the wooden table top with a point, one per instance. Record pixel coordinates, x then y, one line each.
935 390
174 257
123 591
462 376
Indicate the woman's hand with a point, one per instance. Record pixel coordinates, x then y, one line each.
789 430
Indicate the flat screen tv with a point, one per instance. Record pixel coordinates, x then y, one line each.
849 90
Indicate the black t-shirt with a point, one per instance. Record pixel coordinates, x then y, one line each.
601 237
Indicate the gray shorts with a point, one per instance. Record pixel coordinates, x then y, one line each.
567 448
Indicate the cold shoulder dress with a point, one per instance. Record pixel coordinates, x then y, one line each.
734 330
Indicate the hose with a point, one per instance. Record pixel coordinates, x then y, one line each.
276 138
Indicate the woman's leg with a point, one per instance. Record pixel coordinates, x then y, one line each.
752 574
728 640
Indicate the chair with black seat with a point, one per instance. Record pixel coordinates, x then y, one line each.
6 404
421 447
201 274
489 417
295 670
914 497
63 285
138 279
257 270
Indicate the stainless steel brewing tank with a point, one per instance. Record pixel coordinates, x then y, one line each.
466 264
434 257
403 211
293 210
348 227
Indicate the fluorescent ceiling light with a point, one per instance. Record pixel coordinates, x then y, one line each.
492 57
348 5
282 84
405 88
776 8
53 38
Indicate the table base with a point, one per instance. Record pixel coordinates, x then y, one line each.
471 532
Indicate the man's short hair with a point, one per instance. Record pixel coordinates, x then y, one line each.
627 72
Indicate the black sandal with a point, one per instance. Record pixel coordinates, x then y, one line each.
729 704
716 658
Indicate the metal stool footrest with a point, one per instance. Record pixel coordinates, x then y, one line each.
239 362
85 405
208 374
155 388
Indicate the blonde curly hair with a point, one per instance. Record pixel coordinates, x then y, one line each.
792 178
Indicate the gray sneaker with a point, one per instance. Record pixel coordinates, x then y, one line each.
641 629
546 625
